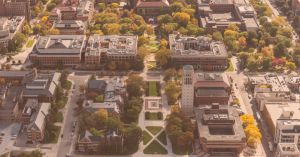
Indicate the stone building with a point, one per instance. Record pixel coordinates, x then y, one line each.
9 26
51 49
220 130
187 88
70 27
200 52
151 9
88 142
15 8
37 126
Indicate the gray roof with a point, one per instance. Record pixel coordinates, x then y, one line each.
93 110
37 123
89 136
95 83
211 91
14 73
188 67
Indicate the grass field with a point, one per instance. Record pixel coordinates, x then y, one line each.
154 129
231 67
152 68
65 100
153 63
68 86
162 137
147 137
30 43
60 117
153 116
152 90
153 45
154 50
187 150
155 148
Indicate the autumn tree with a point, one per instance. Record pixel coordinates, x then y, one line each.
266 52
44 19
26 30
112 65
253 64
233 27
82 88
113 29
282 62
176 7
290 66
112 123
172 92
150 30
163 56
133 107
100 116
53 32
181 18
133 136
169 73
92 96
242 42
2 81
126 65
247 119
217 35
142 41
185 139
99 99
134 85
175 108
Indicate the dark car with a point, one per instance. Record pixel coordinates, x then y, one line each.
62 135
2 134
74 86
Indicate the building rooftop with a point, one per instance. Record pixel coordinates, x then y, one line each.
211 92
124 45
142 3
10 100
211 80
221 2
14 73
195 46
59 45
288 149
42 85
188 67
278 82
81 8
276 97
8 26
69 25
39 118
210 119
93 107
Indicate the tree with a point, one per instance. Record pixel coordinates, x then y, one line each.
100 116
112 123
134 85
53 32
58 92
233 27
247 119
275 23
282 62
92 96
290 66
163 19
113 29
63 79
126 65
93 76
133 107
175 108
253 65
103 73
3 66
217 36
251 34
163 56
19 39
181 18
101 7
94 132
133 136
185 139
168 74
245 56
142 41
176 7
82 88
36 28
4 51
150 30
22 69
172 92
267 62
50 6
97 32
113 73
262 20
112 65
99 98
279 50
2 81
37 11
242 42
8 67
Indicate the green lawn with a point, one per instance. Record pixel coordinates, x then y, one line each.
231 67
11 54
154 50
60 117
152 91
162 137
152 39
154 129
153 44
152 68
153 116
54 140
147 137
179 150
30 43
127 120
153 63
68 86
155 148
128 152
64 99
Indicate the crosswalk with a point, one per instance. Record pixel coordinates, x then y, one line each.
67 141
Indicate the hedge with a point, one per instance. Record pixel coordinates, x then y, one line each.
159 115
147 89
158 89
147 115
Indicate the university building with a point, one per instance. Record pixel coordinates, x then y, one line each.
70 27
15 8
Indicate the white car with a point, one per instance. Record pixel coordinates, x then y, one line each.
249 96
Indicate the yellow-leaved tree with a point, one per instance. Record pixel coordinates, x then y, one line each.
242 42
112 65
113 29
175 108
163 56
44 19
53 32
247 119
263 86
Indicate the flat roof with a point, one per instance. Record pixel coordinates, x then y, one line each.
9 101
251 22
13 73
278 82
211 91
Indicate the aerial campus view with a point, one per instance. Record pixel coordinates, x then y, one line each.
139 78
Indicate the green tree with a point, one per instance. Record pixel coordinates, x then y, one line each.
93 76
267 62
262 20
112 123
134 85
133 136
163 56
172 92
142 41
279 50
253 65
99 98
4 51
58 92
217 36
133 107
176 7
94 132
100 116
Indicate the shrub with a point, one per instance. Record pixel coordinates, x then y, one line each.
158 88
147 115
113 73
103 73
159 115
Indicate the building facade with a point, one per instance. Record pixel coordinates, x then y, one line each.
187 88
220 130
287 150
10 76
200 52
151 9
70 27
15 8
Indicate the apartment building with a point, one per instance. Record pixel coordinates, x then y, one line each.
51 49
262 98
9 26
10 99
72 10
88 142
216 15
43 85
113 91
200 52
37 126
15 8
220 130
295 5
70 27
211 88
117 48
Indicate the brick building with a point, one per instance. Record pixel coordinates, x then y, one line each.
9 26
70 27
295 5
42 85
36 128
115 47
51 49
30 107
220 130
72 10
112 91
151 8
10 76
88 142
15 8
216 15
10 100
200 52
211 88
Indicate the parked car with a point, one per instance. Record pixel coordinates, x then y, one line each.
13 138
249 96
2 134
237 87
62 135
74 86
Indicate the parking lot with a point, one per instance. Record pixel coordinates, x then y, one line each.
8 129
